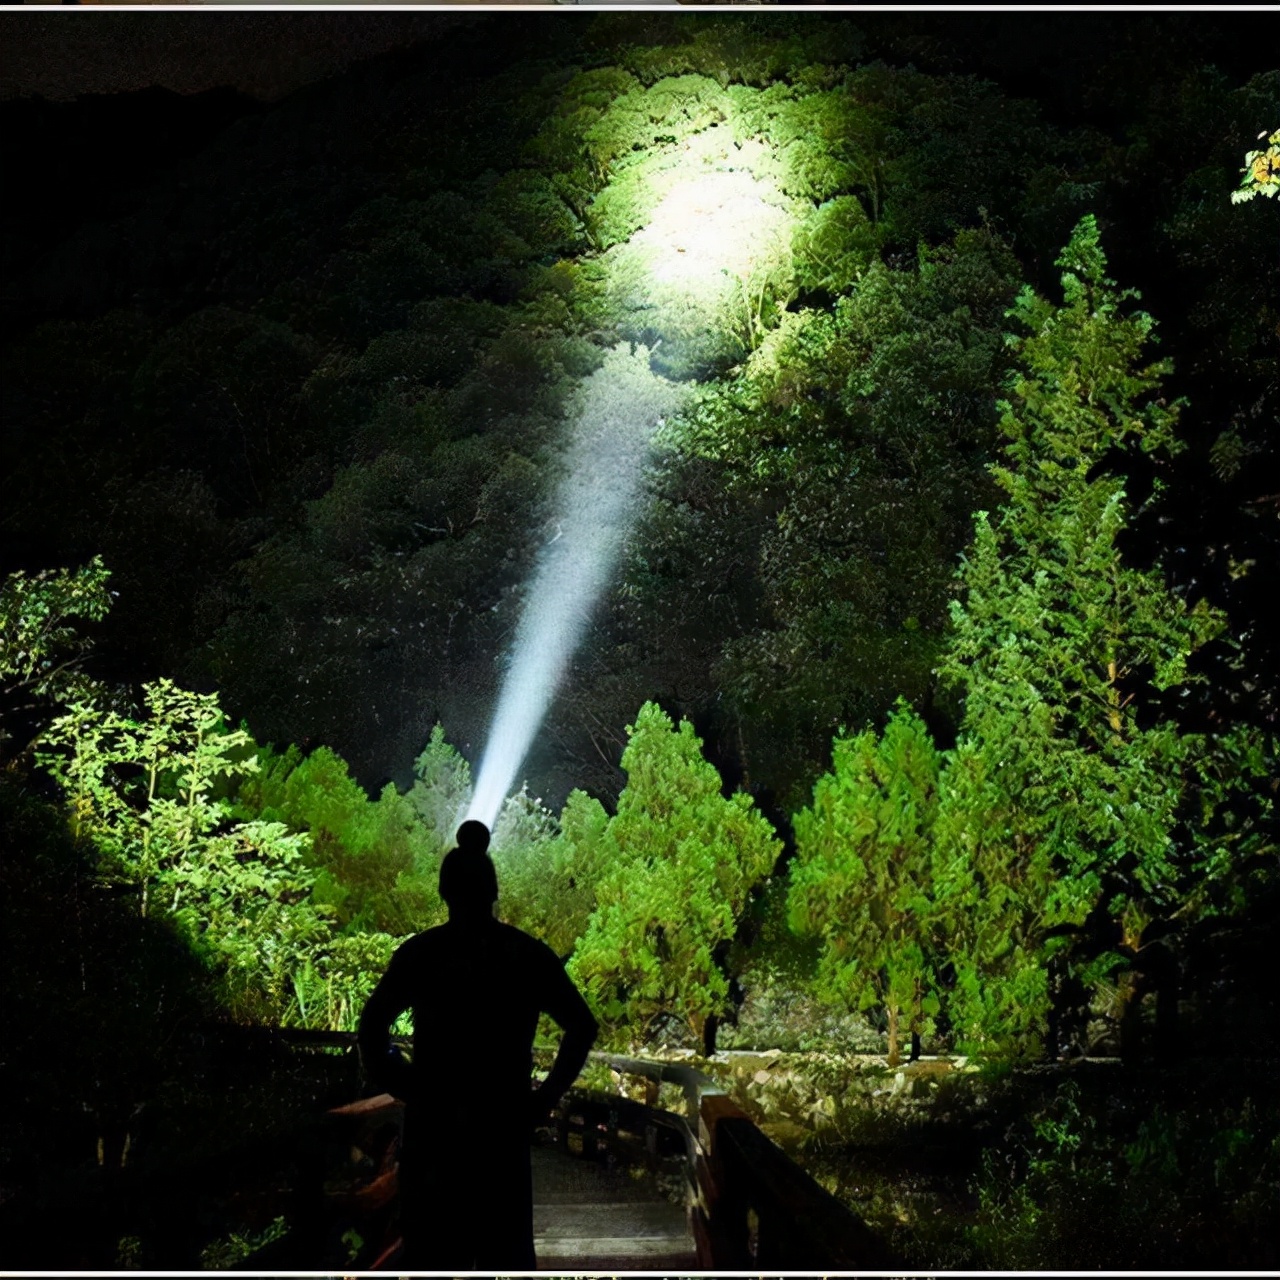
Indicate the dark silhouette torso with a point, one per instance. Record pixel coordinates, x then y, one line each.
476 989
476 996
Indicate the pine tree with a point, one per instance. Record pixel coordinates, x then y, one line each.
1064 789
860 881
683 861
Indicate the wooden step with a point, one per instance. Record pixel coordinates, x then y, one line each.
603 1264
588 1217
635 1235
630 1220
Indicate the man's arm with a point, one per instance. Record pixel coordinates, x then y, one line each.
564 1002
384 1065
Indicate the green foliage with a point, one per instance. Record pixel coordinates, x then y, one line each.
698 238
397 250
1261 171
1015 1217
1065 789
236 1246
98 1003
861 878
683 861
863 429
642 119
147 793
814 148
370 604
224 369
547 879
956 151
144 794
833 247
441 789
1231 833
1074 1184
582 859
379 424
738 49
522 847
40 648
329 989
323 501
528 203
142 789
375 864
248 906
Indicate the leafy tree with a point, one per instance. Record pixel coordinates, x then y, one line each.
1261 171
358 387
862 431
41 651
548 869
441 789
833 246
394 590
683 861
375 863
98 1003
861 880
1063 795
933 122
580 861
143 792
141 789
524 838
224 383
329 989
247 903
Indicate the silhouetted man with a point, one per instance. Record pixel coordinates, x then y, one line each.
476 988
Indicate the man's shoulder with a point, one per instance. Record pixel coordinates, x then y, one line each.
534 949
518 938
441 941
419 944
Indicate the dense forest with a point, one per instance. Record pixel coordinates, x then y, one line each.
933 703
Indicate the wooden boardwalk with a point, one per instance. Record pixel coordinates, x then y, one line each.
620 1185
591 1218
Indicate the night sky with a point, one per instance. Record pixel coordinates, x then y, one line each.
268 55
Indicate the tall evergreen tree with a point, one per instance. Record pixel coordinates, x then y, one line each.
861 877
1062 798
683 861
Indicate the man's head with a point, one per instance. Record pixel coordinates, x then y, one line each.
473 835
468 881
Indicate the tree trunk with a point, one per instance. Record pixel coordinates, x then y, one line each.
1160 970
1129 1000
895 1055
709 1029
1167 1016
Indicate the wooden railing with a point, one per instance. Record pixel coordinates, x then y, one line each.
750 1205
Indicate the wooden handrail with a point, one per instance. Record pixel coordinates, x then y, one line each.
693 1083
750 1205
773 1214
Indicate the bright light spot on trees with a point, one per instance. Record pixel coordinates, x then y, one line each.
714 225
717 223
